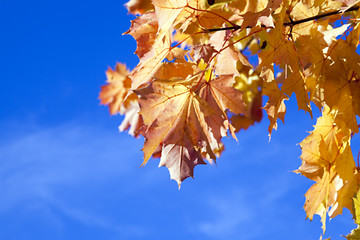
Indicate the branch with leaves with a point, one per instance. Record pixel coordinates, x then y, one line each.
292 23
194 84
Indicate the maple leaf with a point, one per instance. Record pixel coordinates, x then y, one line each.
327 159
144 30
187 118
348 3
275 106
170 12
295 83
177 69
132 120
171 120
354 235
279 49
301 10
357 208
350 184
117 88
152 61
264 16
118 96
194 84
139 6
353 38
320 196
212 17
182 13
249 83
160 48
227 57
342 88
203 51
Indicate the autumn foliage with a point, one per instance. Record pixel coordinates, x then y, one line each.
205 67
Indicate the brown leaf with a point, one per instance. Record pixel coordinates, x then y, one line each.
203 51
187 118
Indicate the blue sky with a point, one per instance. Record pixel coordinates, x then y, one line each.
67 173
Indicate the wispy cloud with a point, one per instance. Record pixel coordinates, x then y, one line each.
245 212
44 168
230 212
95 219
64 155
87 177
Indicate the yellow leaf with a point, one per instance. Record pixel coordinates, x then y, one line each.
356 200
327 160
295 83
275 107
341 86
354 235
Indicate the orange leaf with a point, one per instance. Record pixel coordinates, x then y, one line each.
117 88
144 30
139 6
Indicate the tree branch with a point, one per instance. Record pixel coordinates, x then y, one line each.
291 23
236 27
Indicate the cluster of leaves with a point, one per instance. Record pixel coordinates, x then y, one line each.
195 84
